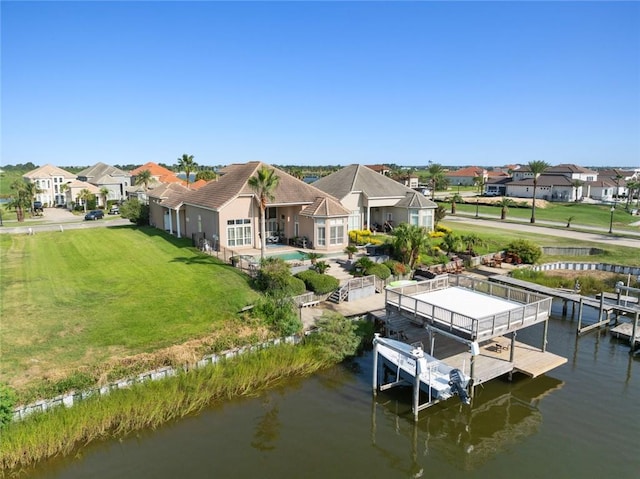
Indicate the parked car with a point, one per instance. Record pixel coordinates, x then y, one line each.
114 210
37 205
94 215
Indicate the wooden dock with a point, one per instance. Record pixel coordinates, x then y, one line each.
625 331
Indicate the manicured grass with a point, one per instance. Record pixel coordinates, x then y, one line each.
6 178
583 214
497 239
78 298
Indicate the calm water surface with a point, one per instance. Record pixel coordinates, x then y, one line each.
582 420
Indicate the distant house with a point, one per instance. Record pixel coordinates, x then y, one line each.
374 200
227 213
549 187
382 169
466 176
106 176
72 193
49 179
601 190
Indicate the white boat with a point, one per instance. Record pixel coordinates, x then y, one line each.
437 379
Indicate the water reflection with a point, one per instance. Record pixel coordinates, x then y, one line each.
501 416
268 428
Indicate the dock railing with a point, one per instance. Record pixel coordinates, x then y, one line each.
536 307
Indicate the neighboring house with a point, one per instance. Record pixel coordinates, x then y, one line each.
226 211
550 188
373 199
601 190
72 193
466 176
159 176
411 181
573 172
382 169
619 179
107 176
49 179
496 185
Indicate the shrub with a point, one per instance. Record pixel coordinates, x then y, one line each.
396 267
378 269
443 229
336 337
275 276
279 313
7 402
360 236
135 211
318 283
527 251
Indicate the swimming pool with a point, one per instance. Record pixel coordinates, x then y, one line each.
290 256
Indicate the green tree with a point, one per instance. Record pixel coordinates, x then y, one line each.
206 175
479 182
408 242
186 164
438 215
504 205
20 200
633 188
336 338
472 241
135 211
436 179
85 196
7 403
144 178
264 184
455 199
104 194
537 168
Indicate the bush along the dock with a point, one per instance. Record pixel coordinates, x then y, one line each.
150 404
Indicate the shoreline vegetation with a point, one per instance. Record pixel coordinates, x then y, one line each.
61 431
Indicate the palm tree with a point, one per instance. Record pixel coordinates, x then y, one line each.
536 167
455 199
479 182
504 203
409 241
30 191
63 190
632 186
144 178
187 165
471 241
104 194
577 184
435 178
21 201
85 196
263 184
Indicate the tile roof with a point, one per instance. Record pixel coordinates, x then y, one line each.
48 171
325 207
232 183
468 171
101 173
358 178
414 200
545 180
170 195
567 168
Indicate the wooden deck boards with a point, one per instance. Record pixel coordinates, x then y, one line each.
624 331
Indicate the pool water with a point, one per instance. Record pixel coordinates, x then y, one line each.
290 256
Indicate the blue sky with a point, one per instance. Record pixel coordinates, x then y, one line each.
321 83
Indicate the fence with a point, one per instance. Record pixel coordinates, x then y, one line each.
68 400
610 268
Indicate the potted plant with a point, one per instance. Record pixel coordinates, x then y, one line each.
351 250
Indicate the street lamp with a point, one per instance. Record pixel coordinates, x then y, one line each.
613 208
477 207
459 188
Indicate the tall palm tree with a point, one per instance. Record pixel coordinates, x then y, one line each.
435 178
144 178
479 182
63 190
536 167
85 196
21 200
263 184
30 190
186 164
455 199
632 188
104 194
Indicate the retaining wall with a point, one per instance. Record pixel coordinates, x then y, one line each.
68 400
611 268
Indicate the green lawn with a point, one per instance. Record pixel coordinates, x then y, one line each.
583 214
81 297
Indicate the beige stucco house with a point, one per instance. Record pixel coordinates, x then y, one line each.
226 212
49 180
374 200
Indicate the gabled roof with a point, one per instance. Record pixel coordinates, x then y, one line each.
101 173
170 195
468 171
325 207
83 185
414 200
545 180
163 174
358 178
601 183
233 183
565 168
497 174
48 171
378 168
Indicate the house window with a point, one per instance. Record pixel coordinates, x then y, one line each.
414 217
389 216
321 233
354 220
427 219
336 232
239 232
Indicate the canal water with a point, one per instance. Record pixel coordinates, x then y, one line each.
581 420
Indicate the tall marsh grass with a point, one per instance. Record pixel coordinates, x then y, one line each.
151 404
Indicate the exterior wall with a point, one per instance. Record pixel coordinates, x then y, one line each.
240 208
50 186
542 192
328 223
563 193
194 220
461 180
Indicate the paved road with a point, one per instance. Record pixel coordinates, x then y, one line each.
631 240
55 219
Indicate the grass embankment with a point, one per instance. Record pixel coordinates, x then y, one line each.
581 214
100 303
152 404
496 240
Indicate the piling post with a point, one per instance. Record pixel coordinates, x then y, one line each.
544 336
471 372
375 363
580 315
634 329
564 308
416 389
